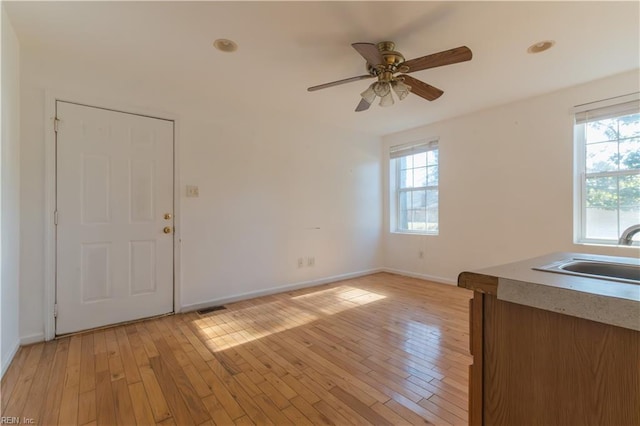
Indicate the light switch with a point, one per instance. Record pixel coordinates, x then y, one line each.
192 191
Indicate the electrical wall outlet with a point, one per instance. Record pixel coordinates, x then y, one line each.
300 262
311 261
421 254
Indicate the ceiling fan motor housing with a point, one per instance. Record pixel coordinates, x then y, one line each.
391 62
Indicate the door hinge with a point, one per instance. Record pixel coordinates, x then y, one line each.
55 310
55 218
56 123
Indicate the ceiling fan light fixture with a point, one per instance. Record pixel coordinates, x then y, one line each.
381 88
369 95
402 90
386 100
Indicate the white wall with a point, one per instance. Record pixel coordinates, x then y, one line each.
506 184
266 182
10 191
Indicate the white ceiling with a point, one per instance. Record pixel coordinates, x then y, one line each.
285 47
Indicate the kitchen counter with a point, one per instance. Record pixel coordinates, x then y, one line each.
609 302
550 348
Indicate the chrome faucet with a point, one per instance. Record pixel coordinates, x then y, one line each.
627 235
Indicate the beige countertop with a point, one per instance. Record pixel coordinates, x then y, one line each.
610 302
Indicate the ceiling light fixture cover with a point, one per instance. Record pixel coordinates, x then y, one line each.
225 45
369 95
401 89
541 46
382 89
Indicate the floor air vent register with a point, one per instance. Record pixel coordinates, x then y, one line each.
210 309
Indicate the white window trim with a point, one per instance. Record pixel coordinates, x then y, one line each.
424 145
580 174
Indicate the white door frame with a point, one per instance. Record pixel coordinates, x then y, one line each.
50 195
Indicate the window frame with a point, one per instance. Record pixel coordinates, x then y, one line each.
580 167
422 146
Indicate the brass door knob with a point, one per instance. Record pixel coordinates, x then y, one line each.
168 216
167 230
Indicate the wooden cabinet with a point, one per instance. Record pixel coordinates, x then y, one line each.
532 366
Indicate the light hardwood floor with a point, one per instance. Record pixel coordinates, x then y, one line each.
381 349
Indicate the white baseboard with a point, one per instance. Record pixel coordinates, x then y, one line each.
32 338
6 362
425 277
275 290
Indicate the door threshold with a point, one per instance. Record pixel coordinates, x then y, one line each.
105 327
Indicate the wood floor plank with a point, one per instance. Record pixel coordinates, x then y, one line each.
274 395
87 364
243 421
177 406
87 407
450 407
128 359
422 411
75 350
222 394
20 394
281 386
105 405
197 344
380 349
300 389
141 407
358 406
10 378
310 412
217 411
296 417
37 392
271 410
247 404
189 395
99 342
69 405
388 414
137 346
405 412
458 401
122 401
195 378
147 340
156 398
245 381
197 360
331 413
51 407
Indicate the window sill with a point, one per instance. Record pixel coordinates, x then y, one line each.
414 233
606 244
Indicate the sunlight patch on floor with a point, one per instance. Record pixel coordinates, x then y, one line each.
248 322
334 300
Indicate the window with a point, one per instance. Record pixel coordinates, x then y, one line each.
608 171
414 188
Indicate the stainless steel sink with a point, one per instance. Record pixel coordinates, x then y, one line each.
611 271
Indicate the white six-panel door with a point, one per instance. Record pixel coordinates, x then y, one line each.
114 199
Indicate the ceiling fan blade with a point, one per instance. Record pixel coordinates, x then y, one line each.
363 105
369 51
339 82
446 57
422 89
